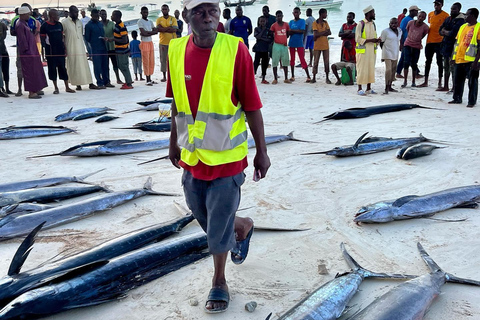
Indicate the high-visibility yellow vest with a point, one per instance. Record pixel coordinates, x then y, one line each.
360 48
472 47
218 134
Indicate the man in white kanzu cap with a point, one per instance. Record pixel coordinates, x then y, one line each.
366 49
212 82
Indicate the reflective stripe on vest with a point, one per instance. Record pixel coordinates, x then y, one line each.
472 49
218 134
360 48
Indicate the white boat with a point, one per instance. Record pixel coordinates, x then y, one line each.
154 13
327 4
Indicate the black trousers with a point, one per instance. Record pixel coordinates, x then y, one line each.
263 56
464 71
6 68
430 50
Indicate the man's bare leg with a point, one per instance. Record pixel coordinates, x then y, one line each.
218 281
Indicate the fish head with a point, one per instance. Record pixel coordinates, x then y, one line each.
375 213
340 151
32 304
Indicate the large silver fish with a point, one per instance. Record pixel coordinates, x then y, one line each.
329 301
73 113
410 300
414 206
23 224
14 132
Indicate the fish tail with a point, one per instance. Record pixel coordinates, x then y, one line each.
23 251
433 266
148 188
81 179
367 273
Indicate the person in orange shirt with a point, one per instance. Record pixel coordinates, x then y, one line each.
466 55
434 41
321 31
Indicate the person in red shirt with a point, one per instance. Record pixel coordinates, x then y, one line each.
402 15
280 31
348 61
213 192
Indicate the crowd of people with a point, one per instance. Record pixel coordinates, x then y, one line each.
66 46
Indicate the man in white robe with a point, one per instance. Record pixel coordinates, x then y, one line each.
77 65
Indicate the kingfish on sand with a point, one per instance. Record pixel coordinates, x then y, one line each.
14 132
416 151
414 206
106 118
74 113
329 301
410 300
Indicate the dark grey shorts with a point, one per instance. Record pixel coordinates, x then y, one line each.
214 204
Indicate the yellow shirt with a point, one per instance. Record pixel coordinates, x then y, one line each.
165 37
465 38
322 42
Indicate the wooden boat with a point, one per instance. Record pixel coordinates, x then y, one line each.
327 4
229 3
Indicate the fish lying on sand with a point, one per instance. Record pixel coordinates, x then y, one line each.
110 148
26 207
89 115
159 100
416 151
160 124
353 113
13 186
413 206
14 132
330 300
371 146
270 139
23 224
16 282
48 194
74 113
106 118
108 280
410 300
151 107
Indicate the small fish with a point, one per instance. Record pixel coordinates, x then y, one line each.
164 101
14 132
106 118
160 124
73 113
89 115
155 106
416 151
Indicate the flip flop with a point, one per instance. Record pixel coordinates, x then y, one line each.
361 93
371 91
241 249
218 294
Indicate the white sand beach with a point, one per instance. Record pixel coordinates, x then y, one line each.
318 192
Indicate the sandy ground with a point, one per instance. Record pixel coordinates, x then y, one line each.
318 192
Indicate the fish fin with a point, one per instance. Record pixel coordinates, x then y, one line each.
148 187
367 273
433 266
290 137
445 220
23 251
468 205
269 316
401 201
81 179
360 140
73 273
69 111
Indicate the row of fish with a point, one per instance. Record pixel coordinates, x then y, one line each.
96 275
407 301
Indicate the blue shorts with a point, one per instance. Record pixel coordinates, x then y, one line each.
214 204
309 42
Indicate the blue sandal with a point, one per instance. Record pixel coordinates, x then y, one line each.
241 249
218 295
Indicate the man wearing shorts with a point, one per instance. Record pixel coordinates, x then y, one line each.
308 42
279 50
214 147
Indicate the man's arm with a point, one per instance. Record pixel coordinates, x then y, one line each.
475 65
173 149
261 162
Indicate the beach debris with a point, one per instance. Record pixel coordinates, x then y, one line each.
250 306
74 113
156 106
47 182
16 282
371 146
413 206
353 113
158 100
160 124
193 302
14 132
110 148
22 225
411 299
106 118
330 300
108 280
416 151
47 194
322 269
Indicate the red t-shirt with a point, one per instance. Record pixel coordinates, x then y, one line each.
244 90
280 32
220 27
349 55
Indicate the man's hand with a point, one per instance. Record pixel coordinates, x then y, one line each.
475 65
174 154
261 162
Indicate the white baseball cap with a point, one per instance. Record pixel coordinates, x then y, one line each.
190 4
23 10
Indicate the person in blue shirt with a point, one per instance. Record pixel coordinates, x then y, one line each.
241 26
136 56
413 12
95 35
295 43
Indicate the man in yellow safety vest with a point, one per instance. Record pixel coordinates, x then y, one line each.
466 55
212 82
